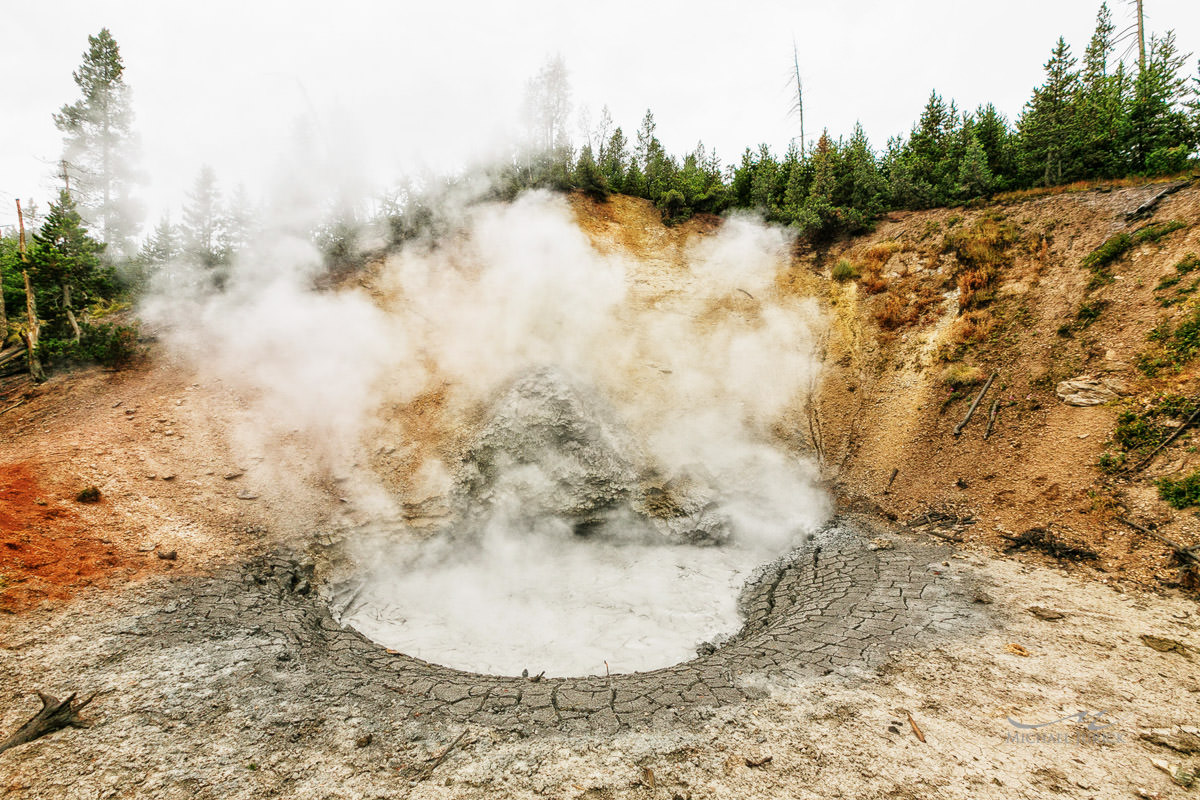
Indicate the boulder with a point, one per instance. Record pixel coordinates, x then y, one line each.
1087 390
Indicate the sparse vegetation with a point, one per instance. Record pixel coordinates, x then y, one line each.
1176 345
1181 493
959 376
1117 245
89 495
981 251
844 271
1139 432
1089 312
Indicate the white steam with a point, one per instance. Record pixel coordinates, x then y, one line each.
703 361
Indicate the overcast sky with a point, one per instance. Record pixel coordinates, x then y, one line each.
387 87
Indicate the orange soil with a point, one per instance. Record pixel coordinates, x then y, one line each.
47 551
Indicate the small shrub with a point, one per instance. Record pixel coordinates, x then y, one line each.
1182 493
873 282
110 344
844 271
971 327
89 495
1110 463
896 313
1089 313
1113 248
959 376
1187 264
674 207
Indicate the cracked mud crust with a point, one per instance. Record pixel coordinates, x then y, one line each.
832 606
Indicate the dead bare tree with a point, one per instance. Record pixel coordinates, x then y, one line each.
32 329
799 107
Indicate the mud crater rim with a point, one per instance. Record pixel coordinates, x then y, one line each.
887 599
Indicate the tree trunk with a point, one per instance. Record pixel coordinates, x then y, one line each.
53 716
32 328
70 312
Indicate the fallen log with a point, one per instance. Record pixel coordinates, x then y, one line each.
958 429
54 716
1184 555
1146 208
992 417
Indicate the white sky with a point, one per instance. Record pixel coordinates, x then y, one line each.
389 86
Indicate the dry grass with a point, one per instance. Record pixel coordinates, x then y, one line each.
1021 195
873 282
958 376
896 313
981 250
877 255
971 327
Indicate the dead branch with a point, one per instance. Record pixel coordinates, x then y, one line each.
892 478
1042 539
944 536
54 716
958 429
1184 555
442 756
992 417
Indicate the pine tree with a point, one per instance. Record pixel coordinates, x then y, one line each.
202 221
930 164
99 142
614 161
163 246
66 264
587 175
237 225
1160 133
1101 104
1049 126
996 139
864 190
548 106
974 176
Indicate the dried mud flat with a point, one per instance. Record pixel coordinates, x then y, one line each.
240 685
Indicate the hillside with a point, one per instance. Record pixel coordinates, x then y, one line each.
899 336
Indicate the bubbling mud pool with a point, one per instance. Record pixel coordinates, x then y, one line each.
565 606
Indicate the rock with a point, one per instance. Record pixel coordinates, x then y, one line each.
1046 613
363 740
167 555
881 544
237 473
1087 390
246 494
